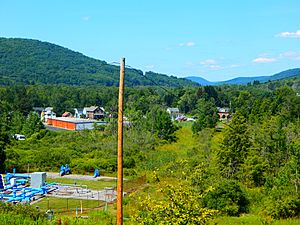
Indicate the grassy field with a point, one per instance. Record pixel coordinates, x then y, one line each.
91 184
66 204
250 219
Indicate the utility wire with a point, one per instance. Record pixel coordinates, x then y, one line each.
156 84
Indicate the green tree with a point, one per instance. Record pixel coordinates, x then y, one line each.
207 115
32 124
228 197
235 145
160 123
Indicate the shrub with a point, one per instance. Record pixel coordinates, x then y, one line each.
227 197
281 202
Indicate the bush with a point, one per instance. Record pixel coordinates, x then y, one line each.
281 202
227 197
22 210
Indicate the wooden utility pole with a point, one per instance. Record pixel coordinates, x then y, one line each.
120 146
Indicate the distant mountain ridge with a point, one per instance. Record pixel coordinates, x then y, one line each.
246 80
26 61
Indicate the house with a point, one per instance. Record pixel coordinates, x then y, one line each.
47 113
78 112
174 113
94 112
224 113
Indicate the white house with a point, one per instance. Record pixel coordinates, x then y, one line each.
48 113
174 113
78 113
94 112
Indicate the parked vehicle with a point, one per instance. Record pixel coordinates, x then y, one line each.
19 137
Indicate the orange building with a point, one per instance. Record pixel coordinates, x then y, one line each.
73 123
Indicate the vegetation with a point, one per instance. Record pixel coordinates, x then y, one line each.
179 173
25 61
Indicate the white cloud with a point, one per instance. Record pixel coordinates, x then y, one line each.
215 67
208 62
190 44
288 54
297 58
187 44
86 18
295 34
150 66
263 60
234 66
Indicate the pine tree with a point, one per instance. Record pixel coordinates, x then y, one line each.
235 145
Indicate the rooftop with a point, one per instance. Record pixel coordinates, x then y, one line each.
77 120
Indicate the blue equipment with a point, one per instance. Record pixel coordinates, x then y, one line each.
20 178
2 183
64 170
96 173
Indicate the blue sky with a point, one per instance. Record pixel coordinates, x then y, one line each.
214 39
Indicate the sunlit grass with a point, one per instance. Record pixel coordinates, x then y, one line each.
91 184
66 204
250 219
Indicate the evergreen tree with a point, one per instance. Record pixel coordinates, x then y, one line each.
159 123
235 145
33 124
207 115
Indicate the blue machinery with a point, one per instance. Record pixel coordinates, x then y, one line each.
13 190
64 170
96 173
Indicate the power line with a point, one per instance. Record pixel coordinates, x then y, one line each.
156 84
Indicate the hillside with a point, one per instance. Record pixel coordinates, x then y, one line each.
31 61
245 80
200 80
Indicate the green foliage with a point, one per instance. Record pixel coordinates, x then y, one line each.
33 124
281 202
207 115
159 123
25 211
235 146
260 147
227 197
26 61
180 205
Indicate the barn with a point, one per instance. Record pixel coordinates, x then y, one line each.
69 123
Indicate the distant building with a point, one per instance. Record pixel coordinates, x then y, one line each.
47 113
67 114
174 113
74 123
224 113
94 112
78 113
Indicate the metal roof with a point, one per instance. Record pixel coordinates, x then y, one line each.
77 120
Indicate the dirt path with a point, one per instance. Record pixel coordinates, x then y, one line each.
79 177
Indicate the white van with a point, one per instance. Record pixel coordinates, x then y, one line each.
19 137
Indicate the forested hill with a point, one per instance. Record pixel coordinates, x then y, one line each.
27 61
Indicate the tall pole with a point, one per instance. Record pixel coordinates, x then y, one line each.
120 146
